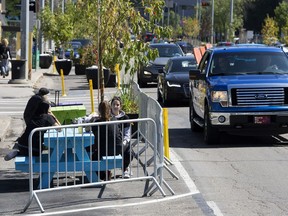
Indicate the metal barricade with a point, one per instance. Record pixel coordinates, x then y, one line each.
67 158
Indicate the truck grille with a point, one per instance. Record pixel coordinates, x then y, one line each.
259 96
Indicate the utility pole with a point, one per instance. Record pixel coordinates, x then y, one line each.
25 33
212 23
231 19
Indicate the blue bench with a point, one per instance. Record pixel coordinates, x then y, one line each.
107 163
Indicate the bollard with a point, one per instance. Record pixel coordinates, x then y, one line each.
117 71
54 66
165 133
63 85
91 95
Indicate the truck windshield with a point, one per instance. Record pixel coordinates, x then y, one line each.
249 63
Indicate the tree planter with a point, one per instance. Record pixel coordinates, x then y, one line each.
92 73
80 69
112 80
45 61
65 64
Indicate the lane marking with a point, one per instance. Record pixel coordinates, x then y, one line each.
184 174
192 187
118 206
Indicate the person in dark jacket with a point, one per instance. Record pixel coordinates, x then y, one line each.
41 118
4 57
33 103
108 136
100 132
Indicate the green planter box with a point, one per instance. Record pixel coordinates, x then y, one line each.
66 114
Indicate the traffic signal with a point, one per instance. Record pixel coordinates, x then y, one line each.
32 6
205 3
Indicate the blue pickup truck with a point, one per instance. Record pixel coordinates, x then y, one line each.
240 90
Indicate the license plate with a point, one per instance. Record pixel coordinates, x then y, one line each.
262 119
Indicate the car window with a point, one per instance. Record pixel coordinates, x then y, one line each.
183 66
169 51
204 62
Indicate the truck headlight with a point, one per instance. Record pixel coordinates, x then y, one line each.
220 97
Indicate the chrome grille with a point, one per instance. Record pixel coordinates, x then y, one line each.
258 96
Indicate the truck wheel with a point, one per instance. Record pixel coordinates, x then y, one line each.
211 135
194 126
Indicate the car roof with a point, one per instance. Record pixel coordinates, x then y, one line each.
162 44
84 42
245 49
187 57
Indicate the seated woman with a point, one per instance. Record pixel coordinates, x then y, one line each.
42 118
107 135
125 129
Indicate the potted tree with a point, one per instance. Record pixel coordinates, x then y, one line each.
110 23
89 58
59 27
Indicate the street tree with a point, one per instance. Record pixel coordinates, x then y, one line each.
269 31
191 27
223 28
108 24
281 12
111 22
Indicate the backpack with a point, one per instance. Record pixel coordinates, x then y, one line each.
3 52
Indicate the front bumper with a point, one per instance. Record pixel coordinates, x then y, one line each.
249 123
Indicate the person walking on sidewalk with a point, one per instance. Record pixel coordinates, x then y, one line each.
41 118
4 57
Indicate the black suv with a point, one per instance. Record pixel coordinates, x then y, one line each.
149 73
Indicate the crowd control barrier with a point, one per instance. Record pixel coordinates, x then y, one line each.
68 158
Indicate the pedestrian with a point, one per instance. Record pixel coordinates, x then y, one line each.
4 57
125 129
41 118
107 136
32 104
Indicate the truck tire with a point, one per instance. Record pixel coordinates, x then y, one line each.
194 126
211 135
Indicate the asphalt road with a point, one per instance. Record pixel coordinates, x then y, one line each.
241 176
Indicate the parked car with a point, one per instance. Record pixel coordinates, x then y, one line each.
185 46
75 46
84 42
173 80
148 37
149 73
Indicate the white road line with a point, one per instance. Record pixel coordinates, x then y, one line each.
184 174
118 206
189 182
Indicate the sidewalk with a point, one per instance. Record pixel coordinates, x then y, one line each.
117 199
22 90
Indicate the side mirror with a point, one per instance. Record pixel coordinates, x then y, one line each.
195 74
161 71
